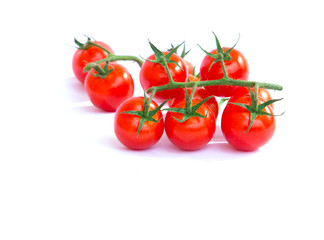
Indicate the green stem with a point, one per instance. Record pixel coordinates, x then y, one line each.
189 103
97 67
255 97
165 66
98 46
221 56
113 58
147 107
223 81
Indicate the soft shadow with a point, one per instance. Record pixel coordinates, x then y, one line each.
89 108
166 150
75 90
113 142
218 136
214 151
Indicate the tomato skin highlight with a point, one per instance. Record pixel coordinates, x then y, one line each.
82 57
194 133
153 74
126 125
237 68
108 93
235 122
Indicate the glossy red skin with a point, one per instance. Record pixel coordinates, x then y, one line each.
153 74
237 68
126 125
82 57
200 93
194 133
235 121
108 93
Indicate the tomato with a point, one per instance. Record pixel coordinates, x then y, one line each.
82 57
190 66
236 120
178 98
237 68
153 74
193 78
200 93
195 132
109 92
264 93
126 125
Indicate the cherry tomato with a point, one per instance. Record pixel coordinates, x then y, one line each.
193 78
82 57
237 68
126 125
190 66
264 93
153 74
108 93
200 93
195 132
236 120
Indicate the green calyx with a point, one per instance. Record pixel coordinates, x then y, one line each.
256 109
101 72
183 53
162 59
189 110
83 46
221 55
88 44
146 115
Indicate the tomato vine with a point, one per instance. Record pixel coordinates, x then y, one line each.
166 59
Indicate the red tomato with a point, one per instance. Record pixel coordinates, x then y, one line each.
192 78
190 66
236 120
195 132
82 57
108 93
200 93
237 68
153 74
126 125
264 93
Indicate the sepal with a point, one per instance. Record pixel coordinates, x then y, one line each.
101 72
256 109
83 46
145 115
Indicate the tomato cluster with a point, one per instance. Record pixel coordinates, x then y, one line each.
190 121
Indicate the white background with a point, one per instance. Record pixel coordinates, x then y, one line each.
64 175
